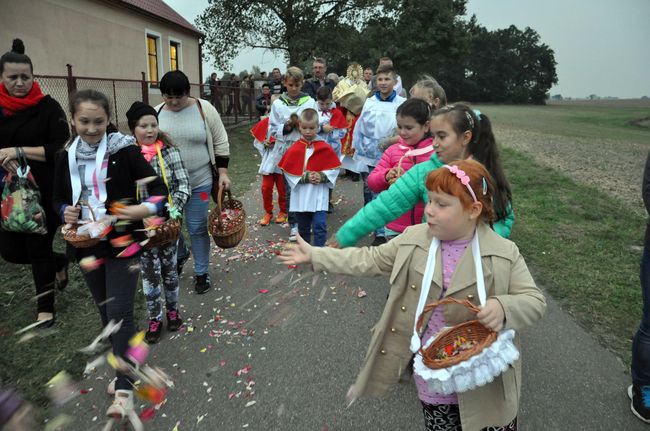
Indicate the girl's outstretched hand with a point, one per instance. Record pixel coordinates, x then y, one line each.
492 315
296 254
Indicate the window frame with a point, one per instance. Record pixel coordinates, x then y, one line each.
150 34
179 53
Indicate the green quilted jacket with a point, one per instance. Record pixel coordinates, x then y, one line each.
399 198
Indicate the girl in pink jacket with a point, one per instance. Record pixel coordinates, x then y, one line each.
414 146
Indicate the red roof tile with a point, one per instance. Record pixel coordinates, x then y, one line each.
160 9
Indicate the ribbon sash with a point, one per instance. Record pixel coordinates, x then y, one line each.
416 342
99 177
417 152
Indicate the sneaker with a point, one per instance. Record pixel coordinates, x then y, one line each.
640 404
379 240
293 233
202 283
282 218
266 220
122 405
181 262
174 320
153 331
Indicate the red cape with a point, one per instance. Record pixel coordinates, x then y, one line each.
323 158
338 119
261 129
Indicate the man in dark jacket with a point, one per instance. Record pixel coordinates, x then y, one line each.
275 83
319 78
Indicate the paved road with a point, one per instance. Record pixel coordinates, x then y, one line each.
304 343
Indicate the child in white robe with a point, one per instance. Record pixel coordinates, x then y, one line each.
310 166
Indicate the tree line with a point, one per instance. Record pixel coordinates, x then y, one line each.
421 36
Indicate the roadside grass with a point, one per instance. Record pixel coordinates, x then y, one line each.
589 121
582 246
28 366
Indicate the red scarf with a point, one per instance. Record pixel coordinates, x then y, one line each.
149 151
322 159
10 104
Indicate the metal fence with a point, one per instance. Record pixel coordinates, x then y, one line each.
235 104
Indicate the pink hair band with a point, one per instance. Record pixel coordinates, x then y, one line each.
463 177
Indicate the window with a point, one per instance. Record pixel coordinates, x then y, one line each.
152 58
174 49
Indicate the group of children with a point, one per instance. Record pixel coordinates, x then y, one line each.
385 140
419 158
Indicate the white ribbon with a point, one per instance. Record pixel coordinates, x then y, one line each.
415 152
416 342
75 179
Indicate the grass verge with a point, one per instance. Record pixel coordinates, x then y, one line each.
581 246
585 121
28 366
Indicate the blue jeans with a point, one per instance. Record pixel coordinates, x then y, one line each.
315 222
196 216
641 342
369 196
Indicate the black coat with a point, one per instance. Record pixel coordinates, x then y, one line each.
45 125
124 168
312 85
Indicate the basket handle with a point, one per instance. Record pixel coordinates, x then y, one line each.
90 209
429 307
220 201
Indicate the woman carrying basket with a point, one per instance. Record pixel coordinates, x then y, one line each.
158 263
458 218
195 127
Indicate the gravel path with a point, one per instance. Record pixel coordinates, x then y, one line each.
614 167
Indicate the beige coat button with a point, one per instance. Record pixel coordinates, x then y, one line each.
403 308
413 286
470 297
382 351
393 330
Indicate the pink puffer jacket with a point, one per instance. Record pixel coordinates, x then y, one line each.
390 159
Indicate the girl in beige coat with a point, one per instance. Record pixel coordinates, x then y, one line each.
458 214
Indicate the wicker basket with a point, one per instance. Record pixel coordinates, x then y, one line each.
164 234
80 241
227 233
472 331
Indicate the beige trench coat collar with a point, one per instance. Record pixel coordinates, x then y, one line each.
465 275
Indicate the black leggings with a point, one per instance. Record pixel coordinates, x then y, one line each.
35 250
113 286
446 417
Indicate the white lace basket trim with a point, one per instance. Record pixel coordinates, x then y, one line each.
476 371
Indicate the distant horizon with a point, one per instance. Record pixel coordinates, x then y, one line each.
601 53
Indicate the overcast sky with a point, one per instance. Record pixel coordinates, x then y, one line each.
601 46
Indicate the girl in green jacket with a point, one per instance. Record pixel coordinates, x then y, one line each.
459 133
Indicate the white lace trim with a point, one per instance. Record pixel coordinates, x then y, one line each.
476 371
